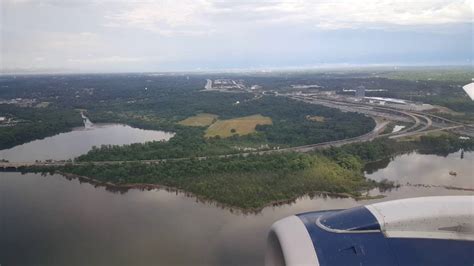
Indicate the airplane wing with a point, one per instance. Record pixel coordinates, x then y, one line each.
418 231
469 89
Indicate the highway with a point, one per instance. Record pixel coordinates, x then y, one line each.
417 133
305 148
208 85
422 124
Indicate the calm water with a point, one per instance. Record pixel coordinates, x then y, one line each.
79 141
427 170
55 221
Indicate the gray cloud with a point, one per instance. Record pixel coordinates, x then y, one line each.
142 35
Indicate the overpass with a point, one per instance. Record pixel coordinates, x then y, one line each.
424 132
422 123
15 166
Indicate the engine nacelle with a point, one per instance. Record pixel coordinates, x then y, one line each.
417 231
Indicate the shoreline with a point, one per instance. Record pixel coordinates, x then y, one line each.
199 198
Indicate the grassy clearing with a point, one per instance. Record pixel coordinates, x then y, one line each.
199 120
42 104
249 183
241 126
315 118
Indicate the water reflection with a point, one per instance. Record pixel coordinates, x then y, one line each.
64 221
377 165
79 141
56 221
454 170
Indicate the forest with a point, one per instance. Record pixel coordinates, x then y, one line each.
160 102
35 123
249 183
290 128
254 181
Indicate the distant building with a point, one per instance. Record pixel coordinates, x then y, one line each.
2 119
256 87
327 93
360 92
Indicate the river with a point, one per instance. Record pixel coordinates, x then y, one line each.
79 141
58 221
413 169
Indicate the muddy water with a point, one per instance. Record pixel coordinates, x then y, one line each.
55 221
79 141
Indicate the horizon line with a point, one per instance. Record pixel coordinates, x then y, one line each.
331 67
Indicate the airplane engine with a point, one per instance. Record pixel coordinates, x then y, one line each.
417 231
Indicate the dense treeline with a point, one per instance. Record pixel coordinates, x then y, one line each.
88 90
35 123
385 148
159 101
186 143
369 151
441 86
444 144
256 180
247 182
290 128
156 101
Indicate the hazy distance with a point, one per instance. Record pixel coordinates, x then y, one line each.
190 35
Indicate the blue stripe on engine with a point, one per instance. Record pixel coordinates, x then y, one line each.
357 247
412 251
347 248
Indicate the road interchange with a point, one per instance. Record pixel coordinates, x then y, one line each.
422 123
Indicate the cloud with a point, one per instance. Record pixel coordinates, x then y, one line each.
195 17
106 60
72 41
188 34
167 17
389 13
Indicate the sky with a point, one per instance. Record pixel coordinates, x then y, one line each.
200 35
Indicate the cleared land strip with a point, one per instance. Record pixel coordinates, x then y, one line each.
236 126
414 116
305 148
409 134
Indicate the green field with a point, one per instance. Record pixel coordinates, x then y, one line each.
199 120
237 126
316 118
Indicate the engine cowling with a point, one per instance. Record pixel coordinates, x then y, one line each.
417 231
